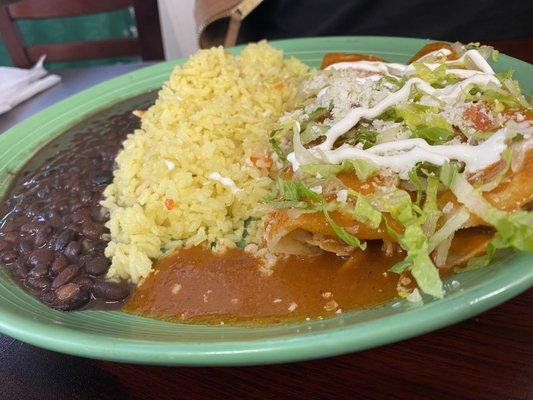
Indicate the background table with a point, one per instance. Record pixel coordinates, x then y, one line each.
487 357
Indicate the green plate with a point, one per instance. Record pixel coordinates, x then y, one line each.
122 337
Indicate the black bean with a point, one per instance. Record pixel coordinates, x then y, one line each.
62 240
95 160
74 228
41 283
11 237
26 246
85 282
41 256
48 296
9 226
43 235
99 214
63 206
97 266
9 256
20 268
65 276
73 249
70 296
3 245
29 228
38 271
35 207
67 292
87 246
103 178
100 245
59 264
43 191
41 216
55 221
80 215
86 197
92 230
76 185
110 291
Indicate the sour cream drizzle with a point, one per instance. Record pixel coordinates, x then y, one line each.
402 155
449 94
228 182
381 67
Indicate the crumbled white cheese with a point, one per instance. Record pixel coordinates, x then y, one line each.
176 288
342 196
331 305
293 306
317 189
447 207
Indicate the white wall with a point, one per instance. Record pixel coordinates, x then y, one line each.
178 27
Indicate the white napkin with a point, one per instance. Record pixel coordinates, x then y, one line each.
18 85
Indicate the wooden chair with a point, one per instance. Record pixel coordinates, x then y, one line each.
148 44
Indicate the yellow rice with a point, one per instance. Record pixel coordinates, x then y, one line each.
212 115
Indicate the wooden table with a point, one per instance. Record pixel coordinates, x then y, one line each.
487 357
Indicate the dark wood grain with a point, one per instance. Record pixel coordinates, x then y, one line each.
487 357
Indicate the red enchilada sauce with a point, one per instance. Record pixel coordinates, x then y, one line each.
197 285
201 286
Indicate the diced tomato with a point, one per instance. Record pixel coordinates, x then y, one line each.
261 161
169 204
477 113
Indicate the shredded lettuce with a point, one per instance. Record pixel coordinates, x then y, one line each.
311 130
452 224
433 134
417 183
324 170
447 175
430 210
365 213
292 192
415 242
275 145
343 233
431 76
424 122
513 229
363 169
366 137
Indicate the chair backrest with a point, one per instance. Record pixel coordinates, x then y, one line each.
148 44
